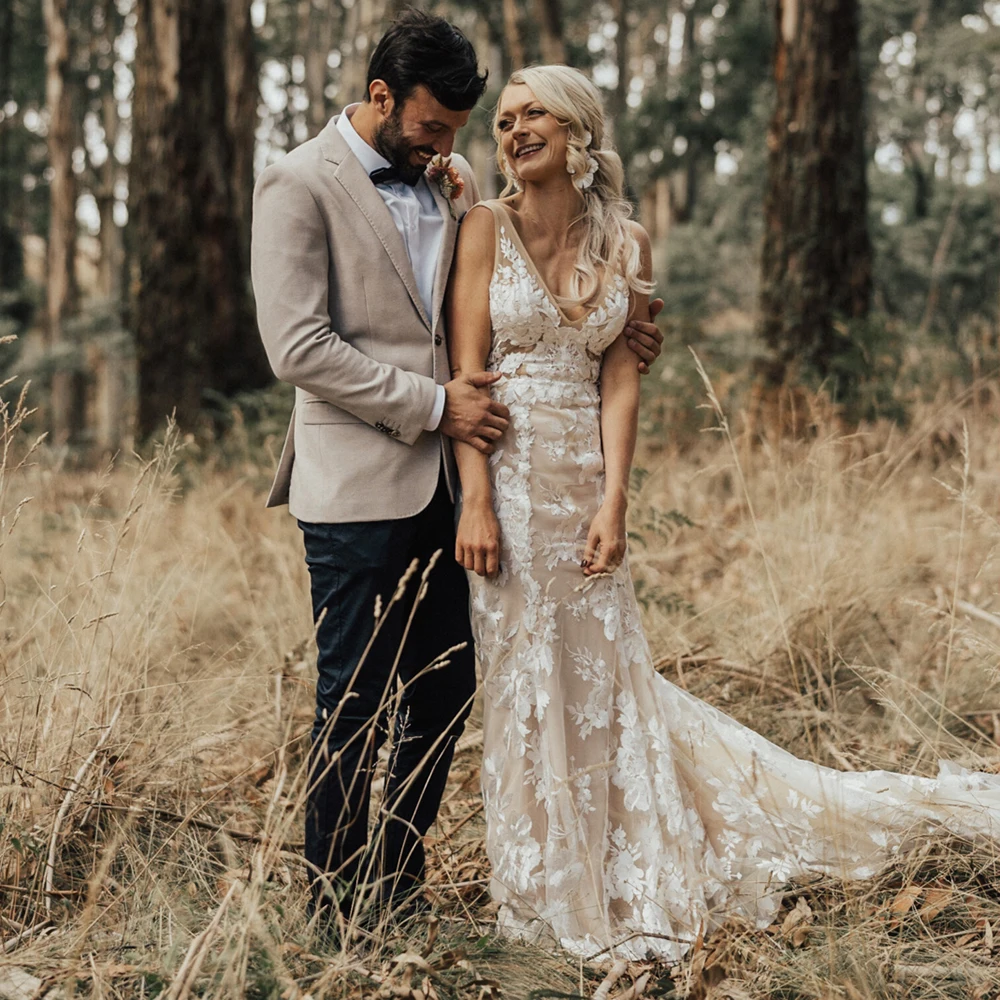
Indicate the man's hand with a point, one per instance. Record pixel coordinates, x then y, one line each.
645 339
469 413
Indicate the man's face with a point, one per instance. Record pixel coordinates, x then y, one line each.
409 135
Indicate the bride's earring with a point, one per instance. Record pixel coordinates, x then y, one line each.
584 182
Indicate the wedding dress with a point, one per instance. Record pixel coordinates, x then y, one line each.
619 807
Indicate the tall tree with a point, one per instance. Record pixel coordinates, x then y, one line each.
10 257
549 14
318 24
60 287
108 173
191 313
242 95
817 257
512 34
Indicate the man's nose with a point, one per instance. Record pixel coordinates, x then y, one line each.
445 145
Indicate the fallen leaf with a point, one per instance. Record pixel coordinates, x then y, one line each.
935 900
905 898
795 926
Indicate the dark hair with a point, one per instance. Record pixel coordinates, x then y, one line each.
418 49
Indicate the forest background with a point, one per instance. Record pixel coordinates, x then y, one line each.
821 182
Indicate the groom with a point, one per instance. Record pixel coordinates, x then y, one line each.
352 244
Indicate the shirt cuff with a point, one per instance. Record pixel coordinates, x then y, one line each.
434 420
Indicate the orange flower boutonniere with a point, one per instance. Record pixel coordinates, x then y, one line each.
448 179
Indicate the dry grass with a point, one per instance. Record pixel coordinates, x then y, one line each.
839 592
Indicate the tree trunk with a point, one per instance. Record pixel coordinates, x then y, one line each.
60 285
512 35
110 283
324 17
242 96
684 178
816 259
362 23
10 259
619 102
549 14
191 312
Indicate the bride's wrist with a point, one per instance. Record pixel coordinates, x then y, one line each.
474 502
616 501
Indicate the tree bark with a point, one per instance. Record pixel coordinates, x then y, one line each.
242 96
11 269
110 283
684 178
60 287
620 102
512 35
191 313
817 256
549 14
323 18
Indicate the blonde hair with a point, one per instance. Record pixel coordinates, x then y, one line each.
608 245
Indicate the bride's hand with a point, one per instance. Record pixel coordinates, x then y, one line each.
477 541
605 541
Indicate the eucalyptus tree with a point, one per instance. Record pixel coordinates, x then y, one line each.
816 259
191 313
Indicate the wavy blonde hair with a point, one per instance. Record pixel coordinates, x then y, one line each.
608 245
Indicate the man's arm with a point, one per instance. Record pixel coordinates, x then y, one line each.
290 270
644 338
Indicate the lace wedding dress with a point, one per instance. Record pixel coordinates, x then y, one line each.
619 808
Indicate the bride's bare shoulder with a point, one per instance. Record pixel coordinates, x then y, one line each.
475 237
476 223
639 234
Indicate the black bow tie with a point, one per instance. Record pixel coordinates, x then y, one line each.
385 175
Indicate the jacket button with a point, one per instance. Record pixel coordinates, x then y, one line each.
437 340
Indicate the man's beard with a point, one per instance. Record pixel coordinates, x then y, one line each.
388 140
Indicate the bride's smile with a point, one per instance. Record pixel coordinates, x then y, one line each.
533 141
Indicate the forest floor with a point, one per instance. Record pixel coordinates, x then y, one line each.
837 591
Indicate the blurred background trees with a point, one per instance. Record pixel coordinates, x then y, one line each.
821 181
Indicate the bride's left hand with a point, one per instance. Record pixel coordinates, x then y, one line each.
605 541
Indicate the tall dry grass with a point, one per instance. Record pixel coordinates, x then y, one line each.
837 592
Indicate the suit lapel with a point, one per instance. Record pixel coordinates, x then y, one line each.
448 236
358 185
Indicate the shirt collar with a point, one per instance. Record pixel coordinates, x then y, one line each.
370 158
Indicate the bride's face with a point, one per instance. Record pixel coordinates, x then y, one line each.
533 141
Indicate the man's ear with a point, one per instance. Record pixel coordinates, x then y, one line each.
381 97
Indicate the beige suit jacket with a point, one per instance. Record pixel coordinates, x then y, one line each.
342 320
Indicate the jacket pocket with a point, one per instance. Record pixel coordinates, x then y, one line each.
319 411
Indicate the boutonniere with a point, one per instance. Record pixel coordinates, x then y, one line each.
448 179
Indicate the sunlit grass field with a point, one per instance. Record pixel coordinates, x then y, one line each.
835 589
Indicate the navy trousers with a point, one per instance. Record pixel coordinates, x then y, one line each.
367 678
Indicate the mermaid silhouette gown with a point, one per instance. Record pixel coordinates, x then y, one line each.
620 808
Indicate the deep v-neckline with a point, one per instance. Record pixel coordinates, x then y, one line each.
530 263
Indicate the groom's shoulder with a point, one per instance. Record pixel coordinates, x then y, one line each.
470 194
462 165
305 163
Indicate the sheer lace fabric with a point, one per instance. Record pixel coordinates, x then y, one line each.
620 808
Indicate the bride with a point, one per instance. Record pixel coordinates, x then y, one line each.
622 812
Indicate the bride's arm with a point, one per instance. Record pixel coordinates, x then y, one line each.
619 423
467 313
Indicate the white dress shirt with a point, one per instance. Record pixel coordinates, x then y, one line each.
419 221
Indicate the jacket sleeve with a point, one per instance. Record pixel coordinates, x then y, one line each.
470 196
289 267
